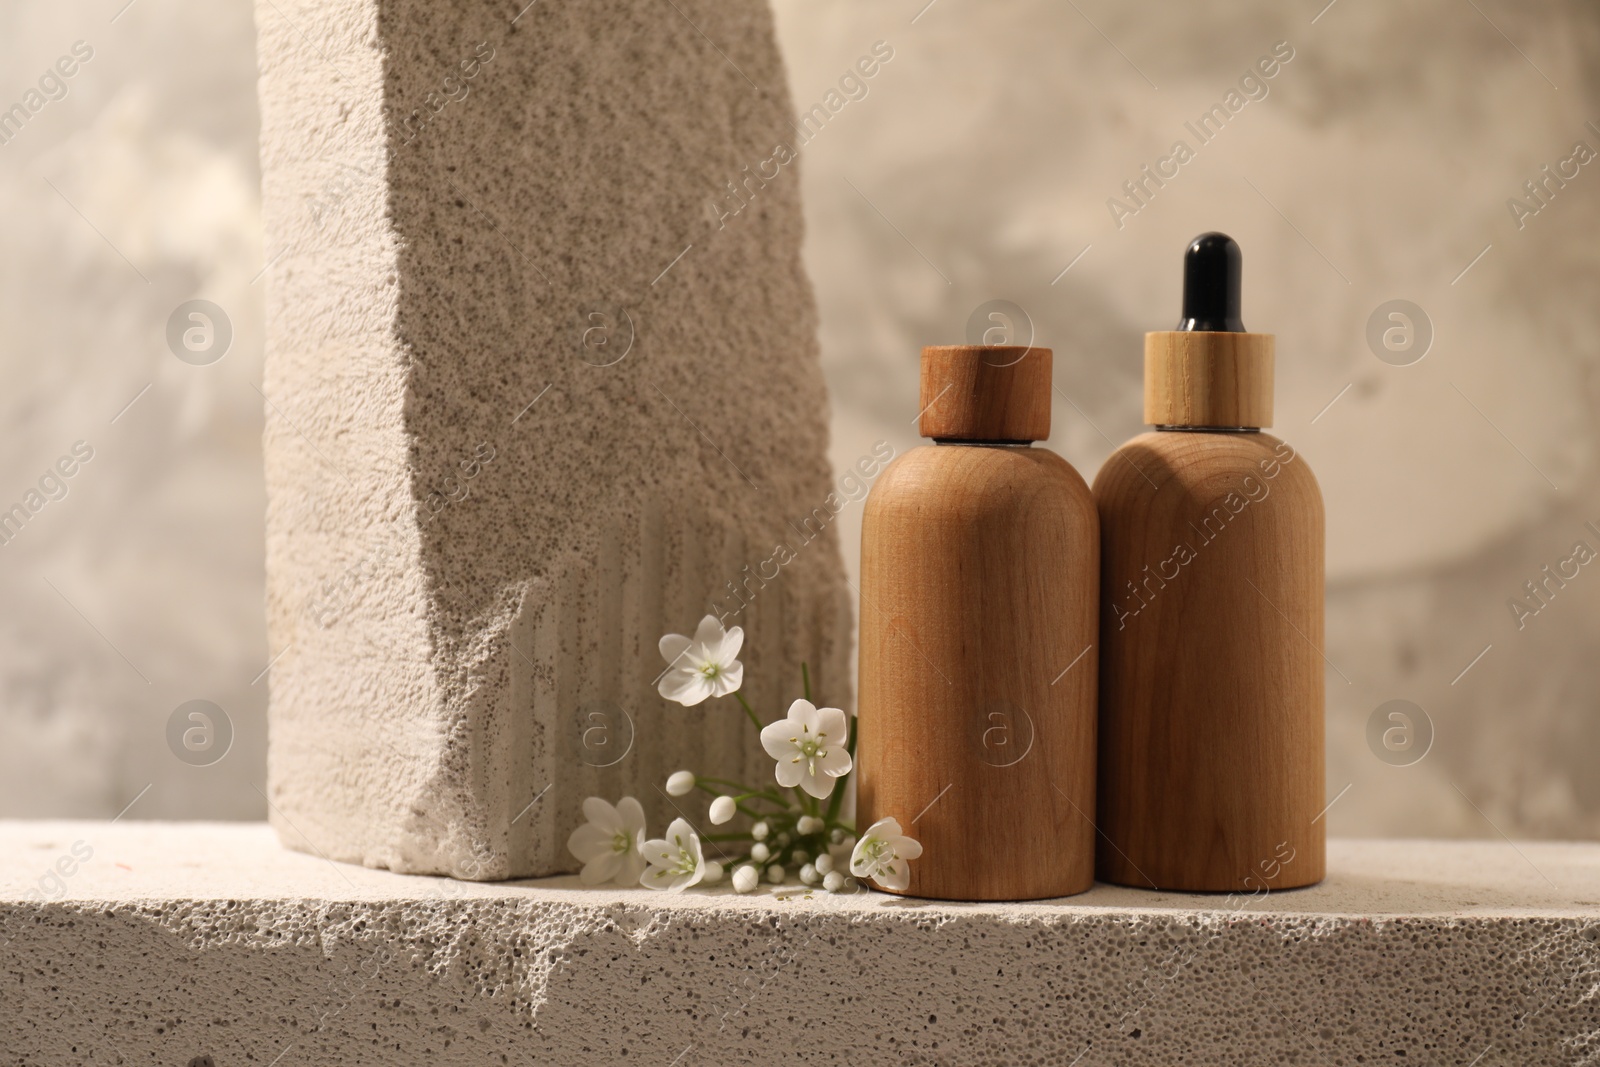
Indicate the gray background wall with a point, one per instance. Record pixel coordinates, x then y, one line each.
976 166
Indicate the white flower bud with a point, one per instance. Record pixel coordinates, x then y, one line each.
833 881
776 874
800 855
836 836
809 824
760 830
760 853
782 839
679 783
745 879
824 863
723 809
713 873
808 875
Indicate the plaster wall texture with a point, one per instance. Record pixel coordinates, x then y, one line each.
169 942
480 519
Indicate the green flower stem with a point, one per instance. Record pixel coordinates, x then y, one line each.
742 792
805 681
837 799
808 805
748 710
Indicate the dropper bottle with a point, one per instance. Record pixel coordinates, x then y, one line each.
1211 664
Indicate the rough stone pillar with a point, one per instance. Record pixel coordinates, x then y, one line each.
536 394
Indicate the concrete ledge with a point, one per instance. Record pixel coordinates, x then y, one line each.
157 943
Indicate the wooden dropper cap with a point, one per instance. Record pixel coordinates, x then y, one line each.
1209 372
987 393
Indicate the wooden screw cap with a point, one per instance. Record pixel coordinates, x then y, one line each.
985 393
1194 378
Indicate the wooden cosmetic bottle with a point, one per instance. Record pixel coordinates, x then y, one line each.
979 594
1211 699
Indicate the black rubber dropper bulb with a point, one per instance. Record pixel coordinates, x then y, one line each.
1211 271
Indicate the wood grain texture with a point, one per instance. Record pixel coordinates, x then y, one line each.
979 594
985 393
1208 379
1211 670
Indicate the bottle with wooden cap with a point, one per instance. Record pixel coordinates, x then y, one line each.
979 592
1211 700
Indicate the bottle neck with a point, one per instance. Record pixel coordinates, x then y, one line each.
982 444
1208 429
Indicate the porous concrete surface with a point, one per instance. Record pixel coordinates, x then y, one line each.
478 525
167 942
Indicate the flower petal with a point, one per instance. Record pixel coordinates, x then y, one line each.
659 852
803 713
836 764
657 878
817 785
630 867
709 632
897 877
729 678
882 829
885 828
601 868
831 721
631 815
589 842
775 739
673 646
685 687
731 644
907 848
681 835
601 814
789 773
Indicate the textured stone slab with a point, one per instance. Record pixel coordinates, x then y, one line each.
170 941
480 517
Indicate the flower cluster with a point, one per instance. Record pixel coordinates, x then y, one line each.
794 826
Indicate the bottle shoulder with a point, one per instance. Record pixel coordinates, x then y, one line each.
978 475
1205 464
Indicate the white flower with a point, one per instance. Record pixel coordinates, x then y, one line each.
713 873
881 855
679 783
833 881
702 666
676 861
809 875
824 863
809 747
609 843
760 852
723 809
745 879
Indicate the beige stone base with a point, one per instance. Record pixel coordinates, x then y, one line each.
170 941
